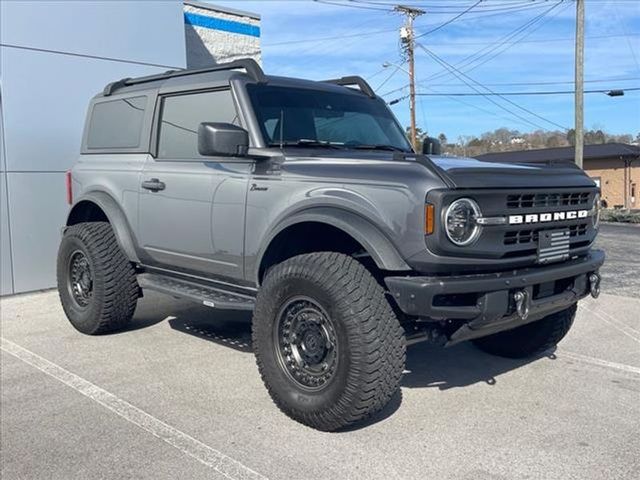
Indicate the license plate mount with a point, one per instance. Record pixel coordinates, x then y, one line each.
553 245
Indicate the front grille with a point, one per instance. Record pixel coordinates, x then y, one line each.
519 241
530 200
523 237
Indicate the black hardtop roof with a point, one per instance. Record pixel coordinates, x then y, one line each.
225 71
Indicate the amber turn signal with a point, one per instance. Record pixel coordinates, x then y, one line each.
429 219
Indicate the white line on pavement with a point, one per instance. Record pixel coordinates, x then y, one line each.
188 445
614 319
621 327
598 361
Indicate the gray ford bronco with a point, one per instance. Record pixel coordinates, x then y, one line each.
303 202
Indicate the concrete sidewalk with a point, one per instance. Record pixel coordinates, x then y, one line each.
178 395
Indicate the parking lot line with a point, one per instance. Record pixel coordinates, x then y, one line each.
188 445
621 327
598 361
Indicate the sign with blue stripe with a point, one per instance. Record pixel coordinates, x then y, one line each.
220 24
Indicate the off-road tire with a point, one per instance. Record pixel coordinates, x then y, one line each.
115 290
530 339
371 343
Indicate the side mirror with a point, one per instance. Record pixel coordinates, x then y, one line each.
431 146
222 139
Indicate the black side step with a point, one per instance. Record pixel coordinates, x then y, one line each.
197 292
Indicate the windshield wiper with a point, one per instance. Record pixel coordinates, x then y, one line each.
304 142
390 148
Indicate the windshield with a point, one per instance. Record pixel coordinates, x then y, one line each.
304 117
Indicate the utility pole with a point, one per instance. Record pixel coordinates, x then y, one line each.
579 83
407 36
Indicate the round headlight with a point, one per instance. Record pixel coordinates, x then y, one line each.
460 221
595 211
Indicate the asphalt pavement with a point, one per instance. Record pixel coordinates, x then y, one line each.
621 271
178 395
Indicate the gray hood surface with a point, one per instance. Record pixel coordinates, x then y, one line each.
472 173
456 172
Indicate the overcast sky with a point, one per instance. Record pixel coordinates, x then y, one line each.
294 43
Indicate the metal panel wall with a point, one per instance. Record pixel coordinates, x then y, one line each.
148 31
6 277
54 57
6 274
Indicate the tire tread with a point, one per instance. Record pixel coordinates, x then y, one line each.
378 345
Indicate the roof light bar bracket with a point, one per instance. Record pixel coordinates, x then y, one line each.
360 82
247 64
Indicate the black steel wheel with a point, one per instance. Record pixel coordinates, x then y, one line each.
96 282
80 279
306 343
329 348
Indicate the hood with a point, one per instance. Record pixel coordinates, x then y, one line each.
456 172
464 172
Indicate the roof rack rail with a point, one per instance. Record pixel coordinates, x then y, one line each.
248 64
354 80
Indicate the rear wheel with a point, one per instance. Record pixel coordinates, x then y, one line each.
530 339
328 346
96 282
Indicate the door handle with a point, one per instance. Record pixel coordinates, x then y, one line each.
154 185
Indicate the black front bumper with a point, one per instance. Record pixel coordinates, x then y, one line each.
484 302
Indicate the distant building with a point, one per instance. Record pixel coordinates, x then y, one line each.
615 167
54 56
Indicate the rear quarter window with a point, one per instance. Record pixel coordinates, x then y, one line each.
117 123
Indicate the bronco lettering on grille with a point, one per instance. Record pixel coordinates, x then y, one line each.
547 217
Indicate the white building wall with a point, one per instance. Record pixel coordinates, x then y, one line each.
219 35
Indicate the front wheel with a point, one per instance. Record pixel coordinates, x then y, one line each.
96 282
530 339
329 348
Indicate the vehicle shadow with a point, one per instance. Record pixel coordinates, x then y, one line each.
427 366
229 328
224 327
430 366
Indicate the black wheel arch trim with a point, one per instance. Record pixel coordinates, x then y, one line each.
118 220
374 241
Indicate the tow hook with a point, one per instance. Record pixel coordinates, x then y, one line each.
594 285
523 303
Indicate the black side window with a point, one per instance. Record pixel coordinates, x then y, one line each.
182 114
117 123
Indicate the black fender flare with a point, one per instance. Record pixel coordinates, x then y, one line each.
373 240
117 219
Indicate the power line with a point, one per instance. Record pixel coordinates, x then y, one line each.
336 37
486 51
524 84
449 9
395 70
461 76
538 40
521 84
502 107
626 34
451 20
352 5
488 112
506 94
